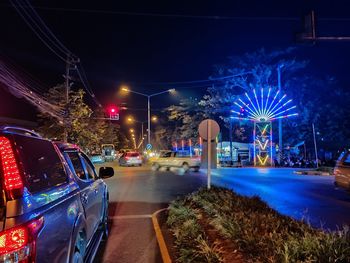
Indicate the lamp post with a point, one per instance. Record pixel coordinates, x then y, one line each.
130 119
148 96
280 139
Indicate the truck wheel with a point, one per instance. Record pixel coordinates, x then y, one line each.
185 167
155 166
104 223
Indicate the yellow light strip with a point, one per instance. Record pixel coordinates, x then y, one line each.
264 130
263 162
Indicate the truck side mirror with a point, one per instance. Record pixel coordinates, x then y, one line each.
106 172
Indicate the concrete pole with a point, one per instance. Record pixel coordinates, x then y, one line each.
142 139
230 136
149 118
313 131
280 139
65 122
209 153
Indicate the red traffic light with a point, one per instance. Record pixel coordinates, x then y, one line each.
113 109
113 112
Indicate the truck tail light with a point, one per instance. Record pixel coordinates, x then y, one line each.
12 177
18 244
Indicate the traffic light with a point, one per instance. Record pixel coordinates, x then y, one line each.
113 113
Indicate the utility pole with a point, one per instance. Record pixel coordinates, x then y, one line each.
149 119
142 139
69 63
65 122
230 136
315 144
309 33
280 139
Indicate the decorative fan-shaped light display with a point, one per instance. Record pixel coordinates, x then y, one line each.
264 107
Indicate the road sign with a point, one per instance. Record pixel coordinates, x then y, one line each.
203 129
114 117
208 130
149 147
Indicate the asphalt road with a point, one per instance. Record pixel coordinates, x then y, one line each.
136 193
309 197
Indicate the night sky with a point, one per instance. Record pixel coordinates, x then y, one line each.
118 43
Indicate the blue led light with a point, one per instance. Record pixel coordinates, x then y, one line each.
262 108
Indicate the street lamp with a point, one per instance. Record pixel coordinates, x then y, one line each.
131 120
148 96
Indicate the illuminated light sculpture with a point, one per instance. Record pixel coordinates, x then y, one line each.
263 109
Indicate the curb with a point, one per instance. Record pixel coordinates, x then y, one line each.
160 239
312 173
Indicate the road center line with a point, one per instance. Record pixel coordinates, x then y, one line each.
129 217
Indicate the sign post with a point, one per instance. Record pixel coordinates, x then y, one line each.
209 153
208 130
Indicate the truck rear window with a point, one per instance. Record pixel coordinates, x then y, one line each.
42 166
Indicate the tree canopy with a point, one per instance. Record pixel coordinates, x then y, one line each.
85 127
319 100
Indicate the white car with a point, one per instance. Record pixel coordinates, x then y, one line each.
130 159
176 159
342 171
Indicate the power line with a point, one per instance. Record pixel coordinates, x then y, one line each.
37 34
202 83
86 84
60 44
38 26
38 22
169 15
202 80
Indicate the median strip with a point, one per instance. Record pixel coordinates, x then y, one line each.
218 225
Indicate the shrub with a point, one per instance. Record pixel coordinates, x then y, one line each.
261 233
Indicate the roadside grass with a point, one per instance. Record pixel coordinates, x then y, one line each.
260 233
190 239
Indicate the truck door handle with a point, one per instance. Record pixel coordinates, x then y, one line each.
84 198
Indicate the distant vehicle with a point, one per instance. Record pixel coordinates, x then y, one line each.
96 158
108 152
176 159
342 170
121 152
130 159
53 206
